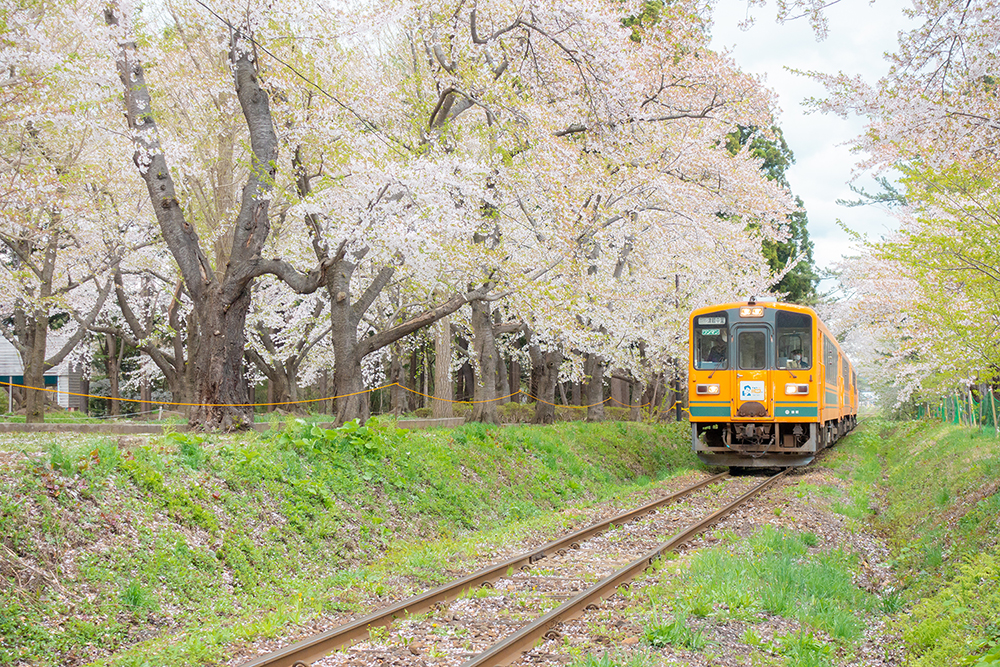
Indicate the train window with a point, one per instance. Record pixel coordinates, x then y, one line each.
753 350
711 346
794 340
830 360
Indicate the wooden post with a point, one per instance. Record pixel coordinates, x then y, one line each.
993 404
972 408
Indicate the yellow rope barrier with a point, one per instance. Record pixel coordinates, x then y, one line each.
328 398
448 400
577 407
203 405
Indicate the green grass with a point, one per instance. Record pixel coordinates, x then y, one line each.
936 488
769 573
616 659
674 631
218 540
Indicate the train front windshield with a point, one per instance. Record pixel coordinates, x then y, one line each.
711 342
794 340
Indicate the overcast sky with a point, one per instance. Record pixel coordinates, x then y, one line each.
860 33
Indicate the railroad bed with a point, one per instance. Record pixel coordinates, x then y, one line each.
492 616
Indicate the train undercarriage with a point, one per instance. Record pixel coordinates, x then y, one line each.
761 444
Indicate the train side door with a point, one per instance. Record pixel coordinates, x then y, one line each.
752 385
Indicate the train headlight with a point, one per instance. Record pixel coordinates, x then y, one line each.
709 389
752 311
796 389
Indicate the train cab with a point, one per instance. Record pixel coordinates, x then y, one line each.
768 385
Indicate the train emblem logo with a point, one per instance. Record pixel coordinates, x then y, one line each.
752 391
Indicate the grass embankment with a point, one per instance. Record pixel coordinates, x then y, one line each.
939 506
171 550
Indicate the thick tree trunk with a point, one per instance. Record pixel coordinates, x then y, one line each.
352 400
594 368
619 390
85 399
577 393
146 396
443 407
635 414
485 346
466 376
515 379
34 368
503 380
398 397
545 375
221 387
112 366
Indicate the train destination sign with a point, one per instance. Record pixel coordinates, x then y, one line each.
711 320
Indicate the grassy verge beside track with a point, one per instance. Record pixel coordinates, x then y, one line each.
885 552
169 550
936 490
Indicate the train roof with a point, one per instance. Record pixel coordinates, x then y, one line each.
778 305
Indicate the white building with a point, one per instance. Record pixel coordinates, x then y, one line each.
60 378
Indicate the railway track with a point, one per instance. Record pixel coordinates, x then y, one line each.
501 611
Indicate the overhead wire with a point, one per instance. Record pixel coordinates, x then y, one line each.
369 125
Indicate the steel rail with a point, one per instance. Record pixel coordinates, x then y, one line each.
305 651
510 648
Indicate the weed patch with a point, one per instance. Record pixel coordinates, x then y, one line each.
770 573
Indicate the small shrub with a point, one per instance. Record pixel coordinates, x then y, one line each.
990 659
189 448
673 632
803 650
60 460
136 599
891 602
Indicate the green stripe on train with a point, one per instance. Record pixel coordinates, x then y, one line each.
796 410
709 410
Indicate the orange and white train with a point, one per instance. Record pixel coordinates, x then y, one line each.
768 385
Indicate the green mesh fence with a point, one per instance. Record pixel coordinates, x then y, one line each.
966 410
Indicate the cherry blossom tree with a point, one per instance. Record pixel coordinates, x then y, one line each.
68 214
220 293
933 123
